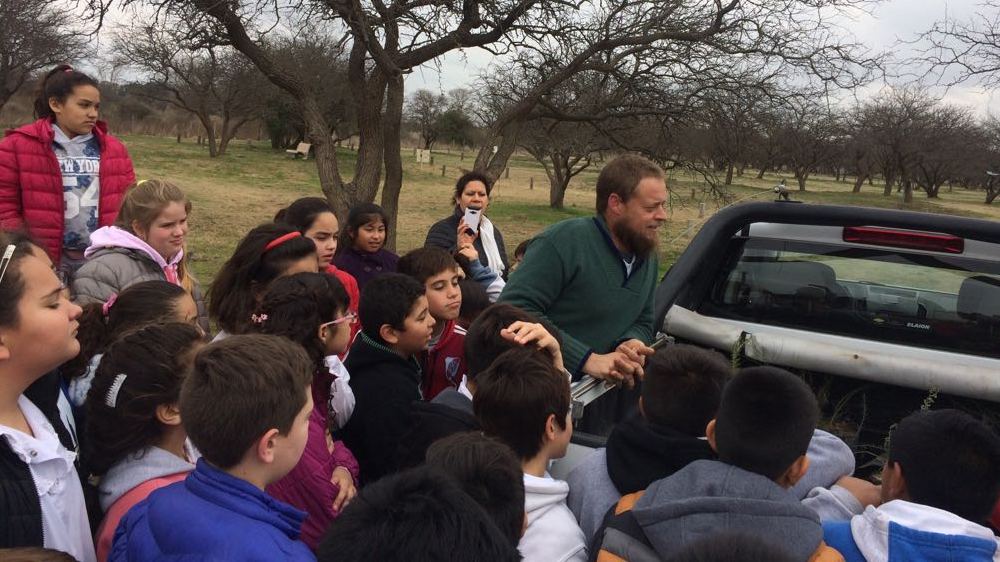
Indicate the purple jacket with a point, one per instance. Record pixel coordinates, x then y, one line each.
365 266
308 485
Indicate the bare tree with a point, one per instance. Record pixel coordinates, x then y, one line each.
424 110
319 61
809 139
894 123
386 41
732 123
205 82
948 141
674 45
564 149
955 51
462 100
34 35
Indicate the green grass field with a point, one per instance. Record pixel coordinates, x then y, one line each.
251 182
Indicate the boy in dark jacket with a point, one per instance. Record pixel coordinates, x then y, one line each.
761 433
500 327
396 326
246 406
680 395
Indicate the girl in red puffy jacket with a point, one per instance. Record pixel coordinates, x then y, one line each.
63 176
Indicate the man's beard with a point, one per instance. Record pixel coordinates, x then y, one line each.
633 240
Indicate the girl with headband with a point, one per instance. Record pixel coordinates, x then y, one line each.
267 252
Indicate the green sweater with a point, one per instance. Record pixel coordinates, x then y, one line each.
573 276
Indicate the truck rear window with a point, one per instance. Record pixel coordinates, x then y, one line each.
931 301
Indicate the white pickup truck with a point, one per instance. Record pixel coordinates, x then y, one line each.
882 311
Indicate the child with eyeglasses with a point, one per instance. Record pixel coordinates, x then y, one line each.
312 309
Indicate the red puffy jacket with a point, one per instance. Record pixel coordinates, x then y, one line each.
31 190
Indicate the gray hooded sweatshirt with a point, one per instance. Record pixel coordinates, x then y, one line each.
137 468
707 497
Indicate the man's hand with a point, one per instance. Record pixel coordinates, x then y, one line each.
615 366
524 333
636 351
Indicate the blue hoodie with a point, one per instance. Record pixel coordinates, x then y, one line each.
906 531
211 515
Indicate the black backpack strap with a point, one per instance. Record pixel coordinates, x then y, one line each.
620 534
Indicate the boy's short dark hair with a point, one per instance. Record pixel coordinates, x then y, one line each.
517 394
418 514
387 299
682 387
488 471
238 389
424 263
483 343
766 418
950 461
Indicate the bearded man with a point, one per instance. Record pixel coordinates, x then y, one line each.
593 278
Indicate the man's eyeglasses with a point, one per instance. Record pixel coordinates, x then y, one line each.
8 255
349 317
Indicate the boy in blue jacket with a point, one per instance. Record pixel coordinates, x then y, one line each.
939 486
246 406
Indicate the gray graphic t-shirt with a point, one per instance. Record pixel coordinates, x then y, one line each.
80 164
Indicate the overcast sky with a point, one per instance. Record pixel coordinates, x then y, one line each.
881 29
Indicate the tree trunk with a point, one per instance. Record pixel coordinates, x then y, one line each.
506 142
392 126
858 183
557 193
558 180
760 174
801 177
890 179
907 191
729 174
206 123
229 130
326 158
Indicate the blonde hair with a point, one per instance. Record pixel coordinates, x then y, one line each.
143 202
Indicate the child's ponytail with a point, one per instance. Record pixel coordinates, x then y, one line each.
101 323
